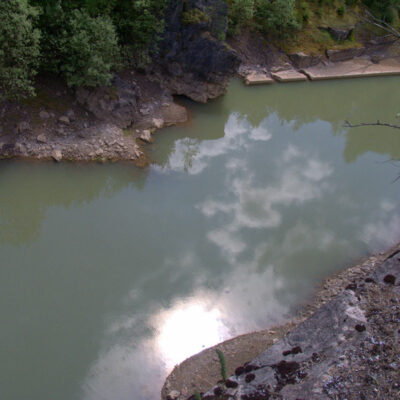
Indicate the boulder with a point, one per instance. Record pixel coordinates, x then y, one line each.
42 138
173 114
146 136
64 120
343 55
44 115
158 123
56 155
338 34
117 104
302 60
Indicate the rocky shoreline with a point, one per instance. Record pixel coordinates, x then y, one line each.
344 344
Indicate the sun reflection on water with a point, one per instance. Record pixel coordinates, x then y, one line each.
188 329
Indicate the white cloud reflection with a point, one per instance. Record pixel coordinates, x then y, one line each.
133 363
193 156
128 366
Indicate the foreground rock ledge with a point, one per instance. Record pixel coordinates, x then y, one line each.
348 349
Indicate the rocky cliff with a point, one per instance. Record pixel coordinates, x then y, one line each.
193 60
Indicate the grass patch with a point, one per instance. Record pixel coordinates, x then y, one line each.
321 13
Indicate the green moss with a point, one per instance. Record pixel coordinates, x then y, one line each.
195 16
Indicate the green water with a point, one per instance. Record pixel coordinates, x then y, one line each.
111 275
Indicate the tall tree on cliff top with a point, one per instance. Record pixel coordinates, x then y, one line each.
19 48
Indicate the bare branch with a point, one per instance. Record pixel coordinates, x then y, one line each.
377 123
370 18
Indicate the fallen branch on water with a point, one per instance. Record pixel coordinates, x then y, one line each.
377 123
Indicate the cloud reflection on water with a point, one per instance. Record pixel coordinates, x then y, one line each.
262 279
210 315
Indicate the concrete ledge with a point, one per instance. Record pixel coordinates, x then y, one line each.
357 68
258 78
290 75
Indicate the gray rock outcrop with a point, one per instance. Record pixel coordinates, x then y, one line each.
193 61
347 343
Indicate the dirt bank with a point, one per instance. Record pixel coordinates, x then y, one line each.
366 366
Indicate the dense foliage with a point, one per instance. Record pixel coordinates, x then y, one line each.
81 40
19 48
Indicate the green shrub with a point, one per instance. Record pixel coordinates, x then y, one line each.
277 17
89 50
19 48
241 12
340 11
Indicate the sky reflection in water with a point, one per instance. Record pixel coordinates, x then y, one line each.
241 216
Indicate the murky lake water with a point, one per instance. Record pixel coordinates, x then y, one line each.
111 275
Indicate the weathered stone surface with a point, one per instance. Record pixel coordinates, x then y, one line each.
341 338
173 113
41 138
343 55
258 78
357 68
290 75
117 104
57 155
192 60
302 60
64 120
146 136
339 34
44 115
158 123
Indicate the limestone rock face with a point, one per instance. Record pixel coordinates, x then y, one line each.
193 61
339 340
343 55
117 104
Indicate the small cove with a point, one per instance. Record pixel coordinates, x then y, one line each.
111 275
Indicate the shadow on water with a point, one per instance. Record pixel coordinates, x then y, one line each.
24 202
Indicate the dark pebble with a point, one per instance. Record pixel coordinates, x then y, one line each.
369 280
239 371
218 391
231 384
248 368
297 350
360 328
250 377
287 352
389 279
315 357
352 286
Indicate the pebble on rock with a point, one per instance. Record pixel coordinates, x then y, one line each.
389 279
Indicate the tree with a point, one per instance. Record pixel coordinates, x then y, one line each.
89 50
19 48
277 17
240 13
